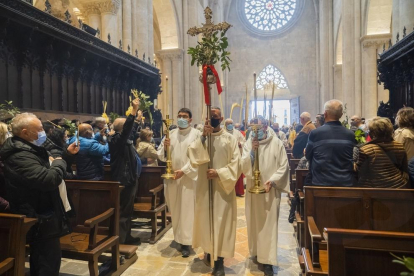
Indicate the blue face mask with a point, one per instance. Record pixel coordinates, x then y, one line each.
230 127
41 138
260 134
182 123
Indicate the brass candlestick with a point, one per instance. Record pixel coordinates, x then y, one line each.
169 174
257 188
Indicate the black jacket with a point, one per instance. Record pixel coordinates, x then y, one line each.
299 145
124 157
56 151
31 182
330 155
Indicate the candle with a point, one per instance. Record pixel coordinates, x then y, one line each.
255 95
166 95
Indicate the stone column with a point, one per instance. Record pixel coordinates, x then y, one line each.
172 60
127 24
371 97
140 27
357 58
326 50
150 30
395 19
109 20
406 16
94 17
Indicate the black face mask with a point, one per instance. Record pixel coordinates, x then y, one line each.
215 122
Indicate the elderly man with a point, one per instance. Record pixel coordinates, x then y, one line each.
302 138
125 168
90 160
99 124
330 149
262 211
241 140
32 181
356 122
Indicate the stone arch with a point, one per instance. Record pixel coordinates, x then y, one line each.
167 23
377 17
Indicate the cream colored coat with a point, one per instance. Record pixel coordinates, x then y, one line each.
406 137
226 157
179 193
262 211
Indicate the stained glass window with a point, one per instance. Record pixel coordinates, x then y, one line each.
269 15
271 73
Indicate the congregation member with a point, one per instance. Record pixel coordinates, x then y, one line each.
180 191
90 159
329 150
125 168
56 145
405 131
262 211
4 204
382 162
99 124
302 138
356 123
48 127
224 174
279 134
145 149
32 180
319 120
229 127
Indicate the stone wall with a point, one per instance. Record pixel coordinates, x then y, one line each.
292 52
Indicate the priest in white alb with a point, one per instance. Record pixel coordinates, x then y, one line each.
262 210
179 192
225 155
230 128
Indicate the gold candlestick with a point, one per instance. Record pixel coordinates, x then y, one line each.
257 188
169 174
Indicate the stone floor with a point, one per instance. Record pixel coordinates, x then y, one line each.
163 259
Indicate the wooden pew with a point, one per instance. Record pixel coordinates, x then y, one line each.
96 225
13 230
293 164
150 201
300 223
352 208
362 252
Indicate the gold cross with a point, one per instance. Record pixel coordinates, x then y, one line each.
209 27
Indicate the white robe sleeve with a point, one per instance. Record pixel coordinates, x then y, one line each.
197 152
229 174
161 153
246 161
281 177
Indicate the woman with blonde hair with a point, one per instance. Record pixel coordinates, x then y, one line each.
405 132
4 133
382 162
146 149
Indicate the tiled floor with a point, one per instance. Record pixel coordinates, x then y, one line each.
163 259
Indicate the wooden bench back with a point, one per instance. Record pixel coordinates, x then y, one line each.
13 230
361 252
359 208
91 198
300 178
149 179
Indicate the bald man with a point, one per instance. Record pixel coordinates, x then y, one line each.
330 150
125 168
356 122
90 160
302 138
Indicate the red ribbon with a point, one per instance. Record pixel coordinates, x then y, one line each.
219 89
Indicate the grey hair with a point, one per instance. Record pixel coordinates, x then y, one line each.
21 121
305 115
100 119
335 108
229 120
262 119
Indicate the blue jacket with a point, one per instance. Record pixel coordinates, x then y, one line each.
90 161
329 152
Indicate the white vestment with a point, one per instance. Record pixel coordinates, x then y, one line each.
226 157
262 210
179 194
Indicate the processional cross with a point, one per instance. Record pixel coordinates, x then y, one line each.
207 30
